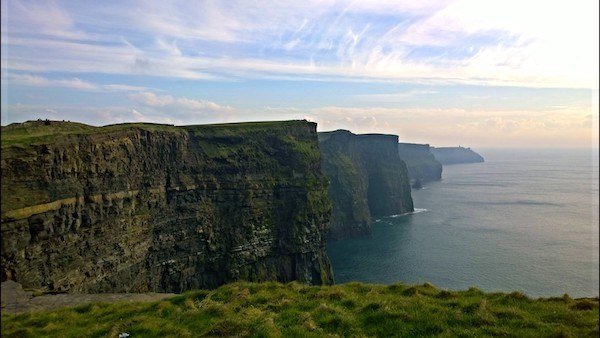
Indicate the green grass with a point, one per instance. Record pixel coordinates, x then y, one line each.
38 132
295 310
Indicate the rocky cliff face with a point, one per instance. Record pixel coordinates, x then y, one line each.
422 165
141 207
367 179
455 155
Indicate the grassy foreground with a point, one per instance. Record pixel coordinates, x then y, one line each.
296 310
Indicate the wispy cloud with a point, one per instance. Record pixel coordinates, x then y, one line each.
397 97
430 71
39 81
150 99
72 83
496 43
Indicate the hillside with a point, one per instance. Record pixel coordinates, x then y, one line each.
297 310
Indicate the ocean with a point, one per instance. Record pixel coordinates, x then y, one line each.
524 220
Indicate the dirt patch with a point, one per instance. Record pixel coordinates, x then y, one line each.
16 300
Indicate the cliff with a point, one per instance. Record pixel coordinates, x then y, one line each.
422 165
455 155
145 207
367 179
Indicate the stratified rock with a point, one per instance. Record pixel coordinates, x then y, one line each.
367 179
455 155
143 207
421 163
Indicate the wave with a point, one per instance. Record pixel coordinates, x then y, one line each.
416 211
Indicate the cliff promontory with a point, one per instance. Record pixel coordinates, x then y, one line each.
455 155
422 165
145 207
367 179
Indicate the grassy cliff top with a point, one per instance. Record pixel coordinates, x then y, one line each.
344 131
296 310
40 131
326 135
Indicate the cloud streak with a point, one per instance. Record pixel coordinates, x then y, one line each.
150 99
492 43
72 83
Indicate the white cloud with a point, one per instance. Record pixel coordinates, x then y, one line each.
202 105
531 43
39 81
565 127
124 88
46 17
72 83
397 97
151 99
138 116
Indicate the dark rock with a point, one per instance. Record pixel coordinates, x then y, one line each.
420 162
417 184
367 179
143 207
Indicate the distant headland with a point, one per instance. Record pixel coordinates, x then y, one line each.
456 155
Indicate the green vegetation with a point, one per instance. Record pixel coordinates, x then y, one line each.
40 132
296 310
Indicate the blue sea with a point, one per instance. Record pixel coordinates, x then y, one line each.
524 220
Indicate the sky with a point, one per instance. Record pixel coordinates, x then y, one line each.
459 72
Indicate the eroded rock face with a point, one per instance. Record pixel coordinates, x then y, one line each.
165 209
422 165
367 179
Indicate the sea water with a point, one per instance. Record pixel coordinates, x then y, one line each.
524 220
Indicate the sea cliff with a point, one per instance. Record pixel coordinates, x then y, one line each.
367 179
455 155
422 165
145 207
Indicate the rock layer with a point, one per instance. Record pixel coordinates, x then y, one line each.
367 179
140 207
422 165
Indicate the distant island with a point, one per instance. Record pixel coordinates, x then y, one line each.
456 155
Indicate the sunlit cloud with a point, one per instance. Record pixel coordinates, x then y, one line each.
39 81
430 71
561 128
72 83
494 43
151 99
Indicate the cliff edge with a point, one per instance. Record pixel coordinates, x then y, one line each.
367 179
422 165
147 207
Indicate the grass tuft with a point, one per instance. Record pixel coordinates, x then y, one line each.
296 310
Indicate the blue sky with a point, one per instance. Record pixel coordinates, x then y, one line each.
478 73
